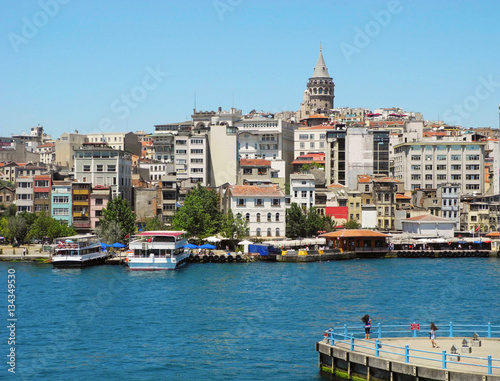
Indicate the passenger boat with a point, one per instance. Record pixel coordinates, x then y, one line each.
158 250
78 251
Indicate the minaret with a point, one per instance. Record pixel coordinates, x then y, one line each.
318 97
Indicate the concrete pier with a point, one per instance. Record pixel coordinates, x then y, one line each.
364 364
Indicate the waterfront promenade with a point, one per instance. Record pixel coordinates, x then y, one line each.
456 358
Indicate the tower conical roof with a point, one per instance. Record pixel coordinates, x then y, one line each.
320 71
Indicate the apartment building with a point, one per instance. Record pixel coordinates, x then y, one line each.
61 202
121 141
25 194
41 193
81 206
98 164
99 199
429 164
310 140
302 190
262 206
169 196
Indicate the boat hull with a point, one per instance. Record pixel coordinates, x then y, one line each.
66 263
157 264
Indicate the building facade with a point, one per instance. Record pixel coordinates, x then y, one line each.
61 202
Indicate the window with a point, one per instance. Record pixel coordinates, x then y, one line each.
247 171
277 217
259 202
428 177
258 232
276 202
196 151
196 141
440 148
86 168
180 151
428 167
441 177
472 148
311 145
303 137
472 177
181 142
416 167
60 212
471 186
441 157
99 167
277 232
415 177
98 201
415 157
456 148
304 193
247 216
269 232
456 167
258 217
456 157
268 217
111 167
428 157
302 145
240 202
472 157
472 167
441 167
456 177
196 170
60 199
196 161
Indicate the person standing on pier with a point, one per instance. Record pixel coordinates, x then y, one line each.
368 324
433 335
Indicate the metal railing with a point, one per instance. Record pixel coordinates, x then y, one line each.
347 335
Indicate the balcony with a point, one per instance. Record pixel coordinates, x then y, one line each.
81 191
80 214
81 224
80 203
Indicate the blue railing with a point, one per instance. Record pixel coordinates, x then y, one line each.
347 335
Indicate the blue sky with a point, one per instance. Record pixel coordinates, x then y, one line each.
128 65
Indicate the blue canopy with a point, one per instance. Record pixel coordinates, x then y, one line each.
190 246
104 246
208 246
118 244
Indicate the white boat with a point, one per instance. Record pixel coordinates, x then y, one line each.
78 251
158 250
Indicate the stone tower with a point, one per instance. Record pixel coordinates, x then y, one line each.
318 97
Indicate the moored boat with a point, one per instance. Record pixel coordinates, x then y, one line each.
78 251
158 250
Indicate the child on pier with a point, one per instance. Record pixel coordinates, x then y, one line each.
433 335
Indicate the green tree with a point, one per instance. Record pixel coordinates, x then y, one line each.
48 227
10 211
234 228
314 222
329 224
118 210
352 224
155 223
200 215
17 228
110 233
295 221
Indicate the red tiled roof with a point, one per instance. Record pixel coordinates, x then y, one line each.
364 179
255 162
255 190
428 218
351 233
386 180
402 197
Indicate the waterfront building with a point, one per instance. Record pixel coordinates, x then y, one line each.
99 199
98 164
263 206
81 206
28 169
429 226
428 164
41 193
169 188
191 148
61 202
319 93
302 190
24 194
449 194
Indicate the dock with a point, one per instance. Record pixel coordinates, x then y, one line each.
466 357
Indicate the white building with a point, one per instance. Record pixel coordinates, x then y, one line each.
122 141
428 164
302 190
98 164
262 206
47 153
429 226
310 140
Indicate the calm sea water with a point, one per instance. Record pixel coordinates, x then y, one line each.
255 321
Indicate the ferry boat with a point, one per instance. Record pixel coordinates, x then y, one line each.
158 250
78 251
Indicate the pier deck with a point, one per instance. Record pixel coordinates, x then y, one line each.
412 358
